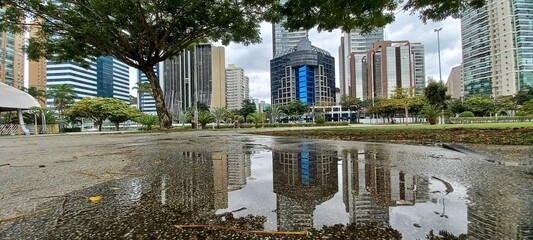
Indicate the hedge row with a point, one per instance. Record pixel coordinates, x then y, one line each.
463 120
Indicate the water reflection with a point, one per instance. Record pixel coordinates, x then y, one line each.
282 188
302 180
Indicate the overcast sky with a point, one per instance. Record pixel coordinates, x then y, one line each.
255 58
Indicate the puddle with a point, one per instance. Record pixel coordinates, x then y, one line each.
303 187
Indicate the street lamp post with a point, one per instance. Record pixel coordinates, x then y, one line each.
438 44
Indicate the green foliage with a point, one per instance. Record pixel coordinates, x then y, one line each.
351 102
431 112
525 94
99 109
122 113
147 120
457 106
387 107
320 119
295 109
204 118
142 88
479 105
219 114
38 94
435 93
63 96
275 113
248 107
416 104
257 118
467 114
526 109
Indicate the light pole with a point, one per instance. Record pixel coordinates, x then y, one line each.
438 44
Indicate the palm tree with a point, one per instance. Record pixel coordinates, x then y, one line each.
37 94
142 88
63 95
219 114
257 118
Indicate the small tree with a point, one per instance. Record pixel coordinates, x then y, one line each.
147 120
431 112
219 114
93 108
248 107
526 109
257 118
122 114
320 119
435 93
204 118
275 113
352 103
143 88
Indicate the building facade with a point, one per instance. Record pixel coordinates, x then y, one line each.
12 58
455 83
283 39
196 75
37 70
353 46
497 42
107 77
389 65
237 87
419 62
304 72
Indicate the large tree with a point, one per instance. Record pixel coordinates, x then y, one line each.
142 33
435 93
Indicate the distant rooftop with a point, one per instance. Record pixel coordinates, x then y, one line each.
303 45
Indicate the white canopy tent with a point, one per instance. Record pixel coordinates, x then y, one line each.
12 99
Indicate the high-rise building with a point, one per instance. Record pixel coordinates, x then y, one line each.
497 52
283 39
237 87
12 58
419 62
195 75
350 82
455 83
107 77
389 65
304 72
37 70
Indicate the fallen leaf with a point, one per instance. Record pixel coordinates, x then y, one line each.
96 198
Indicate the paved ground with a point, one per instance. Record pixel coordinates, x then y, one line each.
33 167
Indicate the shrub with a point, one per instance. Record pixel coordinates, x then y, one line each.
148 120
466 114
320 119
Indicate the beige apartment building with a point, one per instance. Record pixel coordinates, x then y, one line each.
12 59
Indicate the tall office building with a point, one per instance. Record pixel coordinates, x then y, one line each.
283 39
107 77
389 65
354 45
419 63
12 58
37 70
237 87
196 75
304 72
497 52
455 83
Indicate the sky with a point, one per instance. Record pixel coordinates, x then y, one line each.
255 59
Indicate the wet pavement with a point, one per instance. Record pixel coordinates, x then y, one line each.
277 184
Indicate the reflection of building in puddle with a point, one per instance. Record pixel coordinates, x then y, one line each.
196 182
302 180
239 169
371 186
500 217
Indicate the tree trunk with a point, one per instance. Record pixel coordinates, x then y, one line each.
162 112
117 125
